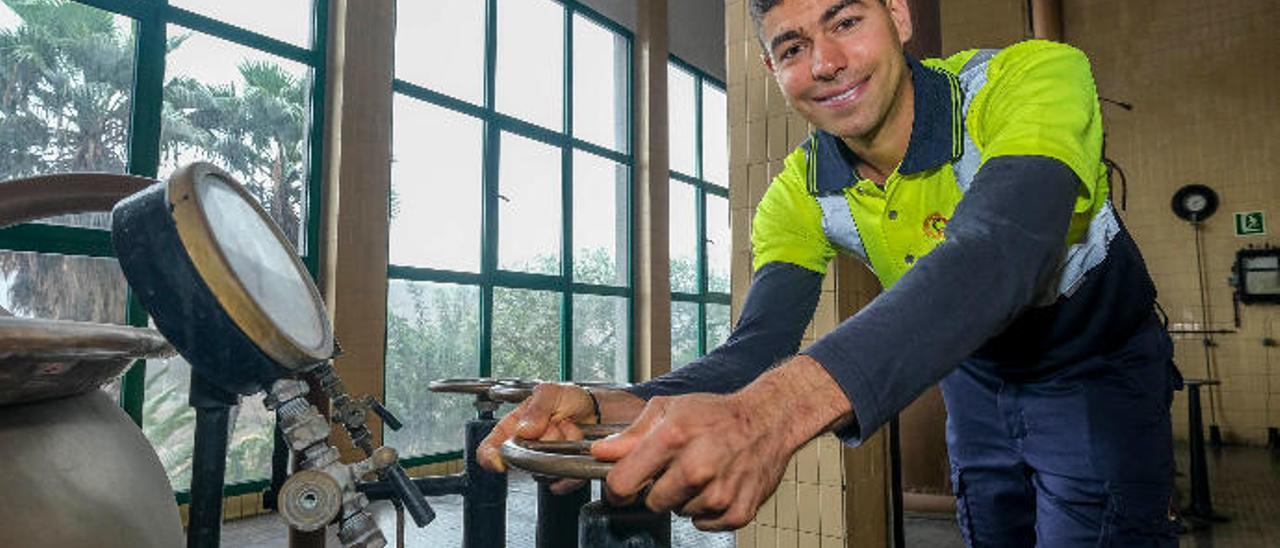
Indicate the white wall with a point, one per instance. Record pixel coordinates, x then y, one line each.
696 34
695 27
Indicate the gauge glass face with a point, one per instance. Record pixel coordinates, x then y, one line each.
264 264
1195 203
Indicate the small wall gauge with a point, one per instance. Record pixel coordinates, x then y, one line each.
1195 203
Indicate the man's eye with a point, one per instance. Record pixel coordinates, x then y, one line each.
846 23
790 52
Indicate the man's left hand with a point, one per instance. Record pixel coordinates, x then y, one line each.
717 458
709 457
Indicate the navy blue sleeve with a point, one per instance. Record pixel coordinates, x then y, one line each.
1002 247
778 307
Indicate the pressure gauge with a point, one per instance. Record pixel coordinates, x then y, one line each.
220 280
1195 203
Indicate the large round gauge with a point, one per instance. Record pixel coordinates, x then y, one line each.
1195 203
220 280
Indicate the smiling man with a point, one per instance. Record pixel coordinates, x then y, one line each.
973 186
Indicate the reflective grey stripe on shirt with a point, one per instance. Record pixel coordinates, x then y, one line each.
972 77
1081 257
1089 253
837 223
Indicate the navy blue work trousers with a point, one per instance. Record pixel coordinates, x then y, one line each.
1082 457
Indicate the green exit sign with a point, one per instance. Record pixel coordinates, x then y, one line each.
1250 223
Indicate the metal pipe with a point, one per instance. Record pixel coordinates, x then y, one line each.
558 514
430 486
484 505
208 469
1046 19
605 526
895 482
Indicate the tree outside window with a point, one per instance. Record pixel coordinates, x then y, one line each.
698 213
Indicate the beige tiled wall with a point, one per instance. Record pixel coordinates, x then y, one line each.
1204 112
825 481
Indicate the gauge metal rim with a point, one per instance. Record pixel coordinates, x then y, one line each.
196 234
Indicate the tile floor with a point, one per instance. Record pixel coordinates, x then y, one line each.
1245 487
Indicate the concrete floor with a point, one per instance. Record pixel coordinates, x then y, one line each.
1244 484
1245 487
446 531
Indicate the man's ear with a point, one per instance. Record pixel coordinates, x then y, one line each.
900 14
767 60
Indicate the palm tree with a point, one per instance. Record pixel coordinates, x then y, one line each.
258 134
66 76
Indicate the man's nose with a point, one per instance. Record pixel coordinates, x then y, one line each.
828 60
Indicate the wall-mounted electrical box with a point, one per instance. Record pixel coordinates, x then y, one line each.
1258 275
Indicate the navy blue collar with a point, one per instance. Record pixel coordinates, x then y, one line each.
935 134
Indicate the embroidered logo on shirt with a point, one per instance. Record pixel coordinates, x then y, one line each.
935 226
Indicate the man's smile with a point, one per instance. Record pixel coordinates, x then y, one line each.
841 96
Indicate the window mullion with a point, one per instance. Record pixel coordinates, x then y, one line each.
144 160
566 263
315 136
566 206
489 181
488 243
700 209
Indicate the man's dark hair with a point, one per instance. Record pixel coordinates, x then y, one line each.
760 7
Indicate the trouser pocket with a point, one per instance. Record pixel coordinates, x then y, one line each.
1137 515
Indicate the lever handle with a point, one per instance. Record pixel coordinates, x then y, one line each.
389 419
409 494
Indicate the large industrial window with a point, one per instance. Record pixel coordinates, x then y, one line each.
699 212
142 87
510 185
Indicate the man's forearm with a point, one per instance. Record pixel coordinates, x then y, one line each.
779 304
799 400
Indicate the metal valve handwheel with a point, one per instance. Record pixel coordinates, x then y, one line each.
478 386
512 391
516 391
563 459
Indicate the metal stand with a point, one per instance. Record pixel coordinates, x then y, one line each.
484 502
209 462
895 482
558 514
1201 507
604 526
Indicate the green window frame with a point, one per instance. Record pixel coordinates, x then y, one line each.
703 295
490 276
150 19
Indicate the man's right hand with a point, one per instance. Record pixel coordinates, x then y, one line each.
552 413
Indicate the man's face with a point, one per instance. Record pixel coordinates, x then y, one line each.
838 62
